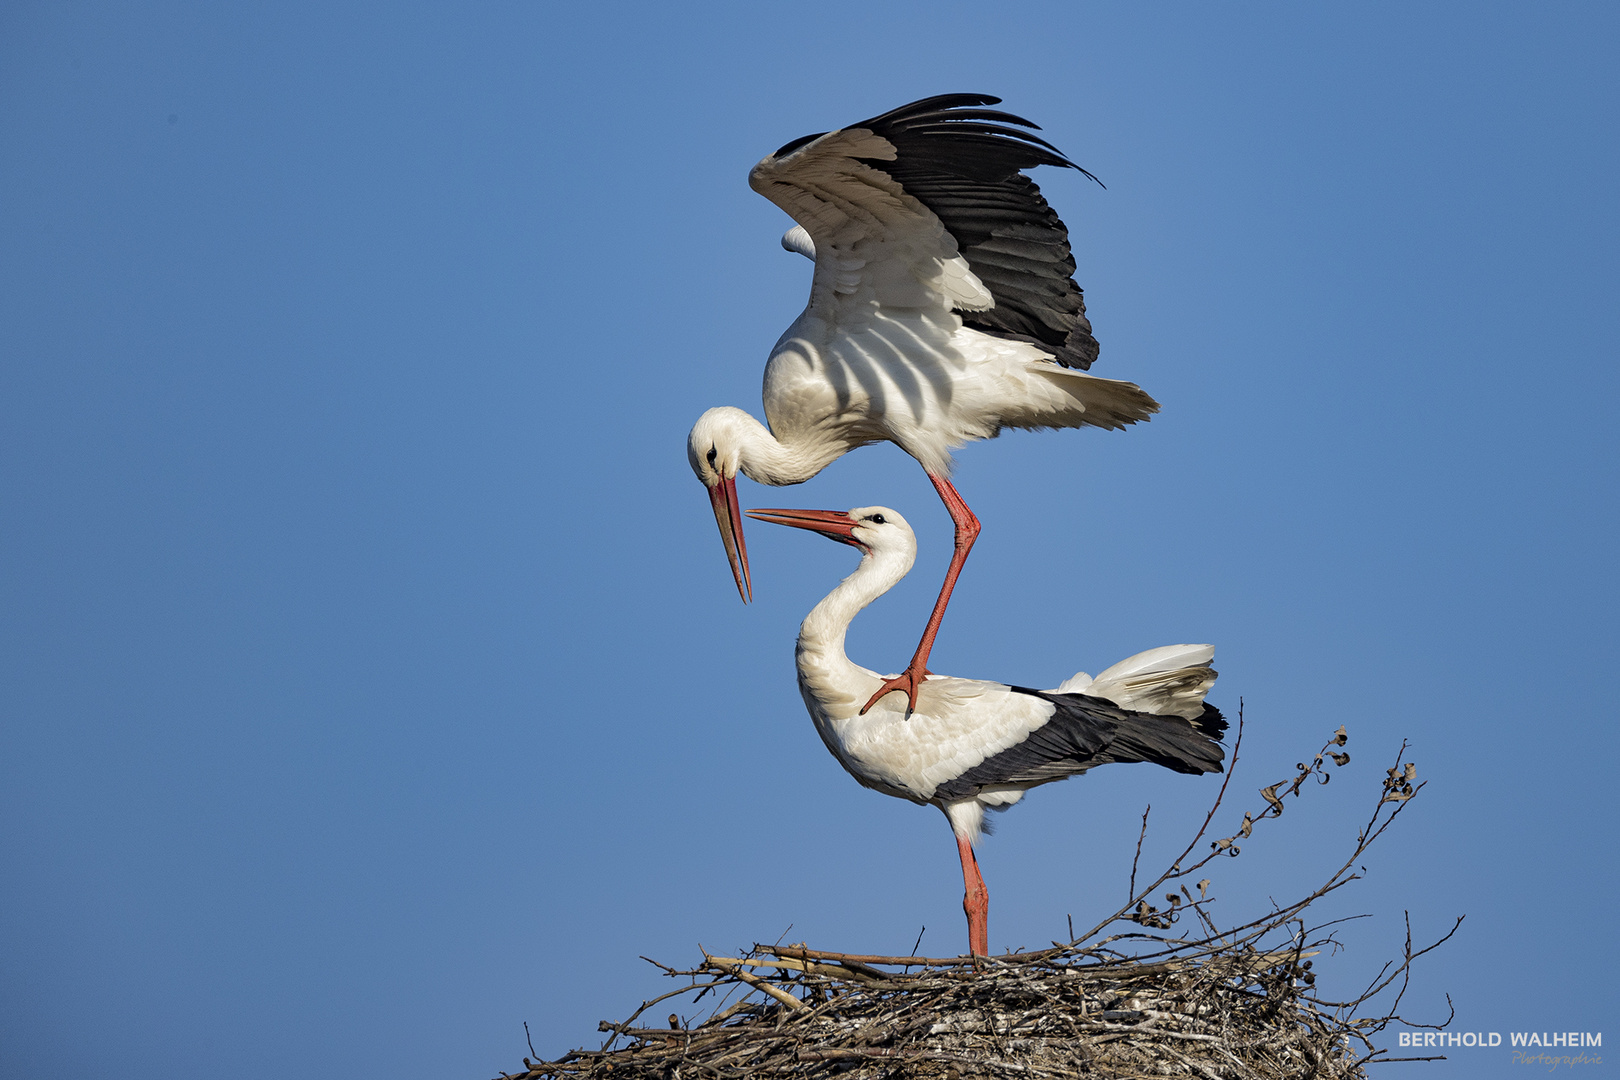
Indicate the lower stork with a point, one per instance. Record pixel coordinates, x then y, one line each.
969 744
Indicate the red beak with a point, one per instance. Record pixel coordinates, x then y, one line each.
728 516
833 524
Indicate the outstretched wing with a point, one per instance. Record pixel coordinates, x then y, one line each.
874 243
927 205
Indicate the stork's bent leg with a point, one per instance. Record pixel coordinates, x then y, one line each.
975 901
967 531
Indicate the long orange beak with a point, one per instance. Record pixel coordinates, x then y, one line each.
729 517
833 524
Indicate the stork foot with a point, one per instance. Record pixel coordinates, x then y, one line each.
907 682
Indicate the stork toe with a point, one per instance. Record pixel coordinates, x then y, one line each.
908 682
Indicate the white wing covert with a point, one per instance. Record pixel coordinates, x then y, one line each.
872 241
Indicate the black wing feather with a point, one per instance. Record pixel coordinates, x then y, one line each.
1088 731
964 163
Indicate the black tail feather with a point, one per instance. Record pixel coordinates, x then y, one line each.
1211 722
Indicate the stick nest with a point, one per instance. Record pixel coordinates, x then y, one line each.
1237 1015
1147 1000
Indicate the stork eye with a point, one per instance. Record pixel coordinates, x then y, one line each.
713 453
877 519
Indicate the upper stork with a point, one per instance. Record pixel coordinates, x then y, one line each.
943 309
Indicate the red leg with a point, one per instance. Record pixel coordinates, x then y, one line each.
967 531
975 901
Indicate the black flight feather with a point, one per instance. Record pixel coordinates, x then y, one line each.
1088 731
963 163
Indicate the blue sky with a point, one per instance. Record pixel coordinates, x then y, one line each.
372 681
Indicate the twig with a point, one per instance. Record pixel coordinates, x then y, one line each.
1175 867
733 968
1130 895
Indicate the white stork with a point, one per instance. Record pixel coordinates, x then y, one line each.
972 744
942 309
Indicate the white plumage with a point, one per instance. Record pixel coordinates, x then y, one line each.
1167 680
942 310
971 744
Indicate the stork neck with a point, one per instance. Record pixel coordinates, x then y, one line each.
821 637
765 459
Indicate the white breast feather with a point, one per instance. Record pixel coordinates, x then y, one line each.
958 724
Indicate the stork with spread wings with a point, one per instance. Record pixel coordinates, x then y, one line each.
943 308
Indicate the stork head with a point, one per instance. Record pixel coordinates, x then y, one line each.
876 531
714 449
